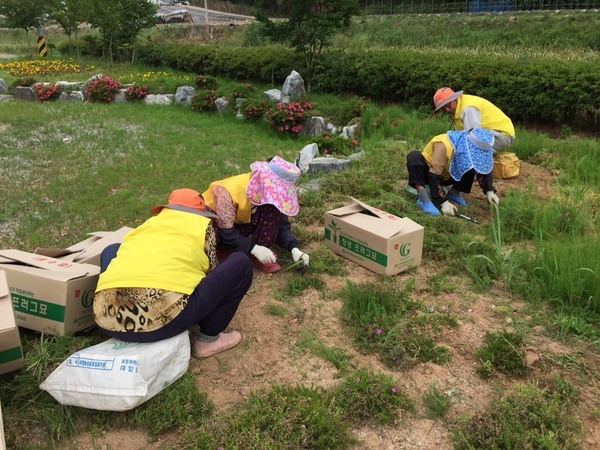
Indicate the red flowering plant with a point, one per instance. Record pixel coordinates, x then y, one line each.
288 117
136 92
102 89
45 92
335 145
254 109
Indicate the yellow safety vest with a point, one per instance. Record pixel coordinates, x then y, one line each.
165 252
236 186
492 117
428 152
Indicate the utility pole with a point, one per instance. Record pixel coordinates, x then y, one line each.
205 15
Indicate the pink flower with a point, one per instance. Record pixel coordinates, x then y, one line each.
378 331
394 389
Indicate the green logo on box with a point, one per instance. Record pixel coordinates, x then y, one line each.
405 249
87 299
363 250
353 246
38 308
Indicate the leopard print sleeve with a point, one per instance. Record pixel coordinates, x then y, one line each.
210 246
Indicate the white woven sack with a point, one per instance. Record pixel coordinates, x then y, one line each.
117 375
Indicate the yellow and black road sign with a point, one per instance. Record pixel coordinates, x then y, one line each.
42 46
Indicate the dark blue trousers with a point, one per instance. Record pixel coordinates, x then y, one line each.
211 305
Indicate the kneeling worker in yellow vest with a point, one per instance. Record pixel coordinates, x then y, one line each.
165 278
452 159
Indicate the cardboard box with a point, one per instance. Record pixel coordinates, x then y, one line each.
48 294
11 352
373 238
87 251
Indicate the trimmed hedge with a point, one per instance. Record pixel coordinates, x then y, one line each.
532 90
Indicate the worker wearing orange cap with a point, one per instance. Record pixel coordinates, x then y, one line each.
470 111
164 278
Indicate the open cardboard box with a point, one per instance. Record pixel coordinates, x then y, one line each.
87 251
50 295
380 241
11 352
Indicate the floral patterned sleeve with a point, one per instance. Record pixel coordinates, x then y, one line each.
210 246
224 207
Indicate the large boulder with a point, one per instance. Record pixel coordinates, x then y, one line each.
25 93
293 87
184 94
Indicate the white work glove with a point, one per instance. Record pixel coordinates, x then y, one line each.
264 254
449 209
298 255
492 197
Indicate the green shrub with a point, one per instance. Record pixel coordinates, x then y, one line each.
204 101
335 145
543 90
205 82
89 45
241 91
27 81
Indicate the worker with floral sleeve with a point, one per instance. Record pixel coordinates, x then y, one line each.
253 212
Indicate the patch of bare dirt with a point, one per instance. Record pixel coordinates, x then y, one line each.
268 354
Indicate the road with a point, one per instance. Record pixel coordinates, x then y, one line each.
199 14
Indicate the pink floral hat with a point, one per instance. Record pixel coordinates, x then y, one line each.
274 183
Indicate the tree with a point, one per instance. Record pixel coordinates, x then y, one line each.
24 14
70 14
120 21
310 25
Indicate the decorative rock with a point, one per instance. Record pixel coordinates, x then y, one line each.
328 165
159 99
6 98
3 86
356 155
348 131
273 95
221 104
313 126
72 96
292 87
184 94
306 156
25 93
69 86
120 96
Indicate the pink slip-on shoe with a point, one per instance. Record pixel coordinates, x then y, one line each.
266 267
225 341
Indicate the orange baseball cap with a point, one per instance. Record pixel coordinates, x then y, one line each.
186 200
443 96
